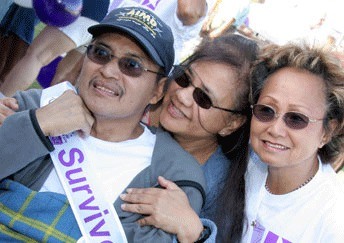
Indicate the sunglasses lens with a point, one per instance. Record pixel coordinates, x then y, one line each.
296 120
98 54
183 80
130 67
201 98
293 120
101 55
263 113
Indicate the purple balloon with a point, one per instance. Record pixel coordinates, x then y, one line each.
47 73
57 13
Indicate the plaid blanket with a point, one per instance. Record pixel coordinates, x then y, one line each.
30 216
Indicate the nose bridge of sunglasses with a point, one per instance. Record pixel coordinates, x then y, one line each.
113 68
279 117
277 125
111 63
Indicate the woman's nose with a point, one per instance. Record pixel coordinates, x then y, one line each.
277 127
184 95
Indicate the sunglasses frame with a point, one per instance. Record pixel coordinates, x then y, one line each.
110 56
284 117
178 71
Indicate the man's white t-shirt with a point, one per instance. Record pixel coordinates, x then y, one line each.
115 163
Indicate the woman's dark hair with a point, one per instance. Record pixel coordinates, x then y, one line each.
238 53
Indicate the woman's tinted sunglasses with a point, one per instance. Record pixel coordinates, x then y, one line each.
201 98
128 65
293 120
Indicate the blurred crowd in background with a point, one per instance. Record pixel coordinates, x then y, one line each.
277 21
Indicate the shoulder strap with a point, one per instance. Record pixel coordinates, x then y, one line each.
96 217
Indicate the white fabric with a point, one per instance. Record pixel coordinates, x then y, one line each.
185 37
313 213
183 34
77 31
116 163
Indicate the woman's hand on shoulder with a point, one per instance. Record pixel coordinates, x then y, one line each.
167 209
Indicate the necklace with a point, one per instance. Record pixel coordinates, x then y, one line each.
302 185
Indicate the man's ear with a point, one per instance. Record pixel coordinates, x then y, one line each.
159 92
232 125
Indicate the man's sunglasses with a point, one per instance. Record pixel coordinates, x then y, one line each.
128 65
201 98
293 120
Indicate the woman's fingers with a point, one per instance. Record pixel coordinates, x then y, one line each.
145 209
167 184
138 197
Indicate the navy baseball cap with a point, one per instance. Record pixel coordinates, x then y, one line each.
154 36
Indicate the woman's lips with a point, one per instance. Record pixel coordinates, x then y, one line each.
274 146
174 111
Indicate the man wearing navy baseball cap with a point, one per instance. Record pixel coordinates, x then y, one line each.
154 36
87 145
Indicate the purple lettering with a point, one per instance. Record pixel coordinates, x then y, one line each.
85 206
56 140
76 180
95 232
150 5
83 188
72 153
258 232
271 238
94 216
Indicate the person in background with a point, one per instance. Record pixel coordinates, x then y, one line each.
50 43
124 70
185 17
297 131
206 108
227 16
16 34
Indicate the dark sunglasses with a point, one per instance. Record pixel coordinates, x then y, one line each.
201 98
128 65
293 120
